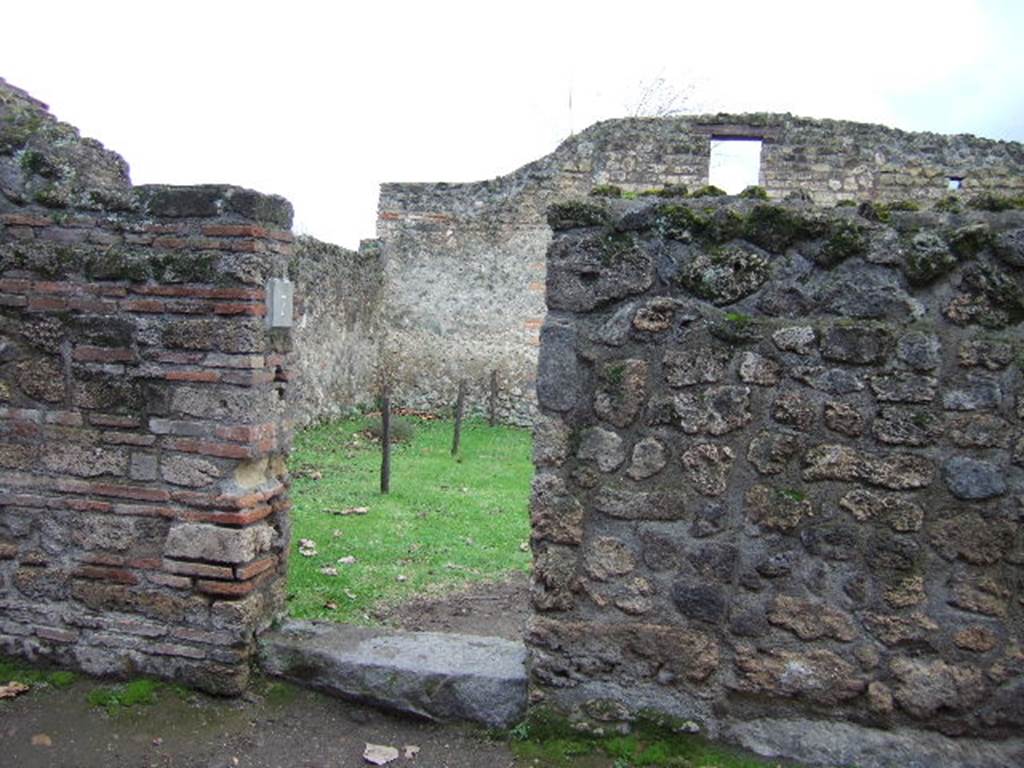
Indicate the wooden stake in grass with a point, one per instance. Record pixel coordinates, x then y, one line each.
460 406
492 415
385 440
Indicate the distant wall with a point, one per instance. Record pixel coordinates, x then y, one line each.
336 332
464 263
780 475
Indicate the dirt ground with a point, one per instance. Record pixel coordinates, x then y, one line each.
275 726
485 608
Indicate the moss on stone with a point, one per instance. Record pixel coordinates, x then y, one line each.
990 201
118 264
949 204
754 192
967 242
776 228
669 190
575 214
606 190
708 190
844 240
184 267
617 246
726 274
927 259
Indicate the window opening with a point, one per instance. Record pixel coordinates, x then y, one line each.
735 163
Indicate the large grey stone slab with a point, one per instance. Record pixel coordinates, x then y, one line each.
434 675
821 742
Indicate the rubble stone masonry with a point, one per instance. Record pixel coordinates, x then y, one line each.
780 476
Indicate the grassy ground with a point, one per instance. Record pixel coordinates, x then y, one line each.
445 521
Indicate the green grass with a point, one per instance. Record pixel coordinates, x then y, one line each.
125 695
13 669
545 740
446 521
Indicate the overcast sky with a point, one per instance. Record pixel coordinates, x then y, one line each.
321 102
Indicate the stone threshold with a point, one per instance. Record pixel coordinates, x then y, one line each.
442 677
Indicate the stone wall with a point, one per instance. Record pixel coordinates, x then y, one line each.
780 477
336 334
143 491
464 263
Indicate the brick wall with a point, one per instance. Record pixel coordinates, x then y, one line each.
143 491
780 475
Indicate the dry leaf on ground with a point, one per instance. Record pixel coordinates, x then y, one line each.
41 740
411 750
12 689
348 511
379 754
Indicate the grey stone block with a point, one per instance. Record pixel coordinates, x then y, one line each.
438 676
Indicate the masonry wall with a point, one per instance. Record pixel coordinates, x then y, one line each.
464 263
780 478
143 491
337 334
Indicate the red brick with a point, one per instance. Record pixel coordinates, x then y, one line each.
173 582
146 563
137 493
247 378
255 568
535 287
8 550
170 243
99 558
245 434
389 216
244 517
227 501
177 358
25 220
105 238
21 233
113 420
56 287
142 510
15 286
47 303
200 291
100 573
56 635
245 246
23 500
138 239
109 290
205 570
210 448
239 308
90 354
235 230
226 588
88 505
144 305
92 306
195 376
282 234
64 418
161 229
127 438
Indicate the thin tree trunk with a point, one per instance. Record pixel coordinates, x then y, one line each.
492 416
460 406
385 440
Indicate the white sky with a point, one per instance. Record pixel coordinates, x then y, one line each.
323 101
